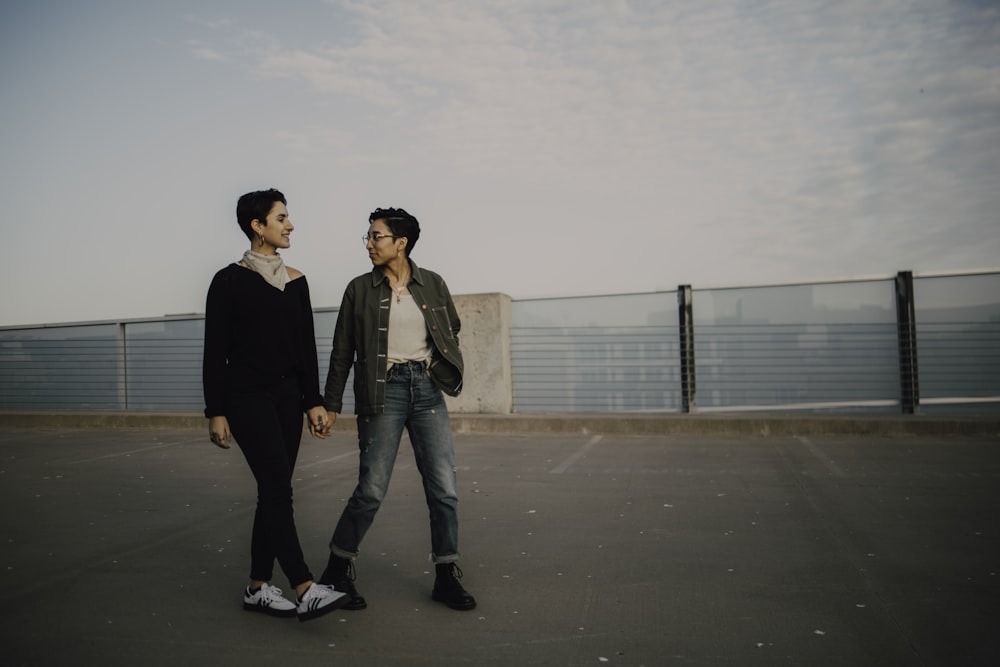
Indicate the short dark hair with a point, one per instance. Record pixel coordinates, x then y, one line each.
255 206
400 223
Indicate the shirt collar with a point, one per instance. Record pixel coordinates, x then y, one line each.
378 275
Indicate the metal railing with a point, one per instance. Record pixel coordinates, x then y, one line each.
902 344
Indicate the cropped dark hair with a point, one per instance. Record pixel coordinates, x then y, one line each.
255 206
400 223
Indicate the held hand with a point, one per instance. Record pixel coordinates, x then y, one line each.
218 432
331 418
318 427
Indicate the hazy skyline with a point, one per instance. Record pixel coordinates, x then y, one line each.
549 148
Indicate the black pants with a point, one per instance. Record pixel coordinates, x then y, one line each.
267 425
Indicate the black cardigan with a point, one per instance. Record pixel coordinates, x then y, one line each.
256 335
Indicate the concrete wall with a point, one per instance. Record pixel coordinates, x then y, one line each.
485 343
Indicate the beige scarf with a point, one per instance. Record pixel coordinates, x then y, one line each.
270 267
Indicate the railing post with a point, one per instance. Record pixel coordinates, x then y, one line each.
906 327
122 374
686 330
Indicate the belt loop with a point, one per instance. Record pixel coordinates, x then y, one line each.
412 366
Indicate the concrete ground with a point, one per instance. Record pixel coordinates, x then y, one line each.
128 546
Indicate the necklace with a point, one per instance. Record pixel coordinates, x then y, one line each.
398 291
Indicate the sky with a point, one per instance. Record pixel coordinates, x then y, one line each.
548 147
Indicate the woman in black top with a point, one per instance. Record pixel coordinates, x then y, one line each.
259 374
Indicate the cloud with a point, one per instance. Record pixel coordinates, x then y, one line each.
816 137
327 73
314 139
597 146
211 24
202 52
861 110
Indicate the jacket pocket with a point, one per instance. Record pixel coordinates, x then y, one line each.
445 375
442 321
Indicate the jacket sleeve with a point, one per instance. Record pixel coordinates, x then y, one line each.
310 363
456 322
447 367
215 353
342 355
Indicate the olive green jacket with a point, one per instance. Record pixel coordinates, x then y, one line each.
361 338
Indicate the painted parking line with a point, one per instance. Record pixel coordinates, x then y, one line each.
827 462
576 456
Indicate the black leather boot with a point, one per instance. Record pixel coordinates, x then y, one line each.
339 573
448 589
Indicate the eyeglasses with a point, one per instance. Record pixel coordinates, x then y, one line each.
376 237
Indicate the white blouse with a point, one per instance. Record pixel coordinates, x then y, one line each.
408 337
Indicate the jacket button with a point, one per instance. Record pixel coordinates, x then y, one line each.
434 327
444 351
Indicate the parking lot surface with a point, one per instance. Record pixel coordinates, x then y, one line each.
129 546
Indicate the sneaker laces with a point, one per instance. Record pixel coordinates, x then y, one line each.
270 593
318 591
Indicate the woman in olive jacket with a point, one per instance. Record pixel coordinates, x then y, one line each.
398 329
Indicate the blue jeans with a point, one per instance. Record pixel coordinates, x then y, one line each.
414 402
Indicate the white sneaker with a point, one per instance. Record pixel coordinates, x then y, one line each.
318 600
269 600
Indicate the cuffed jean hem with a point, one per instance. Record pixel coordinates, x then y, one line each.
443 560
342 553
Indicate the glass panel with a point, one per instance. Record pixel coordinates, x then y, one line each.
325 322
163 364
822 347
596 354
59 368
958 342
